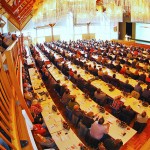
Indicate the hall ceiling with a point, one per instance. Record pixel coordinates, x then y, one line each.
19 12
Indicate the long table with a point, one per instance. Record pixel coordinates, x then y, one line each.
54 120
118 75
89 105
135 104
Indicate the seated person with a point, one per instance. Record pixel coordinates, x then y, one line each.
63 89
146 94
78 112
101 97
142 77
141 122
87 119
95 71
116 106
127 87
138 88
100 72
66 97
112 144
46 76
28 95
57 87
123 70
127 114
128 72
47 142
118 67
72 103
99 129
39 129
115 82
135 75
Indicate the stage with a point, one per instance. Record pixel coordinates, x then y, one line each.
136 43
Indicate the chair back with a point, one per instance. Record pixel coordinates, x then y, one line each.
68 113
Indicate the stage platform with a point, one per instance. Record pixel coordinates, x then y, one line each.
135 43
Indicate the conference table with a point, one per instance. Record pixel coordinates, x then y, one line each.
119 76
54 120
43 57
110 72
135 104
114 62
88 105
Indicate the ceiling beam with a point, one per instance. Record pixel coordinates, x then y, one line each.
25 15
8 9
27 6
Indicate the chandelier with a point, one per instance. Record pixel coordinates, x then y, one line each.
139 10
83 10
114 12
50 11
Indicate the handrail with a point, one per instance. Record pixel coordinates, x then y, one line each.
11 97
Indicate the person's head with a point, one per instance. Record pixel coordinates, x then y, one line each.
67 91
114 75
127 81
128 107
25 85
139 83
98 90
58 81
75 72
100 69
76 107
143 114
73 99
47 73
90 114
101 120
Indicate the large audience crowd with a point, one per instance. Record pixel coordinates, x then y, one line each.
94 128
124 113
6 40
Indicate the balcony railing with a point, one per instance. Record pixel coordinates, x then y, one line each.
12 123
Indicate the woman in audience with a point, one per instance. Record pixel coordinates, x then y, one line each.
141 122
